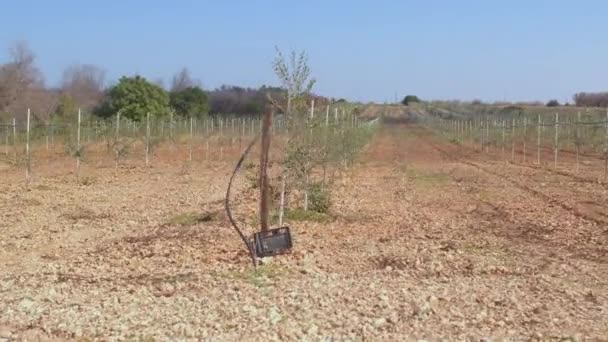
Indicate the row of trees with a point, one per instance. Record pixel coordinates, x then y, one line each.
591 99
84 86
135 97
580 100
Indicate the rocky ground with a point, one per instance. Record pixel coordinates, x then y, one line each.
426 240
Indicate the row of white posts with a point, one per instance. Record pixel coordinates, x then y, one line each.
464 130
210 125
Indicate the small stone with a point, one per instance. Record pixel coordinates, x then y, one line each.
166 289
5 332
26 304
275 315
313 330
266 260
388 268
380 322
394 317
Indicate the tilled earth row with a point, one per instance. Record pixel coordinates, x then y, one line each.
419 246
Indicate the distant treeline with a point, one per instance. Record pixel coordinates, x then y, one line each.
242 101
84 86
591 99
229 99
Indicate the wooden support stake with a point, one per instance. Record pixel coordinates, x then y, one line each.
264 207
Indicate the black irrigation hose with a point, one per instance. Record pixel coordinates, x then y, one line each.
227 201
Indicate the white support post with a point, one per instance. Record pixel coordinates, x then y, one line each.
15 139
577 140
487 136
524 138
512 140
148 139
191 139
503 140
6 141
27 149
540 123
78 146
117 125
606 149
556 143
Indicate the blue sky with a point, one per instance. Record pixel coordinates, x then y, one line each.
361 50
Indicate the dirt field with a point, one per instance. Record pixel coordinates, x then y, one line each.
428 240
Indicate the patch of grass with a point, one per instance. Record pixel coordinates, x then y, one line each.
81 213
485 196
455 141
86 180
392 261
319 198
487 251
31 202
427 178
302 215
44 187
253 180
146 338
190 218
84 339
261 276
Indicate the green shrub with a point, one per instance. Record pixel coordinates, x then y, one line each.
410 99
298 214
319 198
